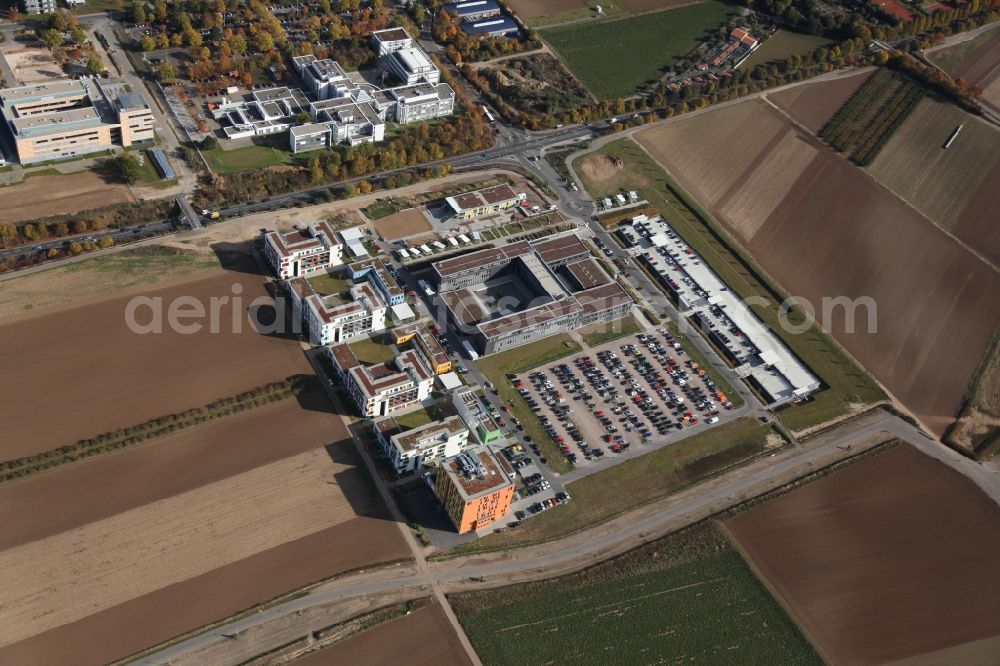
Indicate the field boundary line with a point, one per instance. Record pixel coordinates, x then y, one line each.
971 250
737 546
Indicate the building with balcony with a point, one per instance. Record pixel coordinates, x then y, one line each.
433 442
303 252
386 388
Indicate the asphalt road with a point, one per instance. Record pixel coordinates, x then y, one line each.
840 443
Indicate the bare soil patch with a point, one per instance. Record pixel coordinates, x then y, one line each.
41 196
31 63
948 186
85 365
187 605
891 558
92 279
768 184
607 173
837 233
534 8
423 638
815 103
46 504
405 223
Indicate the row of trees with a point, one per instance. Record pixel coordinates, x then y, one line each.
59 226
158 427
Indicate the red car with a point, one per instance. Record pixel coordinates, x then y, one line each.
505 408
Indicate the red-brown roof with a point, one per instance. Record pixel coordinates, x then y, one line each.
562 247
602 298
485 257
464 306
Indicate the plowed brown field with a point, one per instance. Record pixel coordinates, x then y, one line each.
126 550
45 504
826 229
892 558
422 638
41 196
186 605
85 366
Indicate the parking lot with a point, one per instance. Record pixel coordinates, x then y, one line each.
534 492
640 391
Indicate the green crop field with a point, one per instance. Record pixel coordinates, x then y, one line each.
864 124
602 54
783 44
846 382
688 598
244 159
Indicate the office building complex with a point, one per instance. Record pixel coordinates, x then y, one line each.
438 360
491 200
346 110
473 10
266 111
470 407
342 108
474 489
65 119
375 271
511 295
38 6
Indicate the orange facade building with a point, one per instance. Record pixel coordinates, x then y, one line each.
474 490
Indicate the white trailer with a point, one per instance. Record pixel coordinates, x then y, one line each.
470 350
